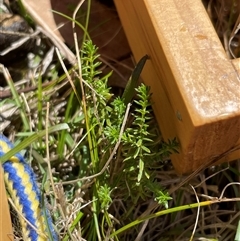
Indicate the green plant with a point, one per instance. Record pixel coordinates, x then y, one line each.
130 170
93 125
106 160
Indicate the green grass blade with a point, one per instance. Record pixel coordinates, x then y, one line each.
132 83
28 141
73 225
237 237
19 103
161 213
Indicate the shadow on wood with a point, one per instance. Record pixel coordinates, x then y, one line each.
196 88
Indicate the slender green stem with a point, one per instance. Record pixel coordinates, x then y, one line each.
161 213
86 35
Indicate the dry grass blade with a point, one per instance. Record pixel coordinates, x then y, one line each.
94 189
235 43
40 16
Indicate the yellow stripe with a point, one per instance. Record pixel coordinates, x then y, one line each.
15 198
6 148
35 205
30 194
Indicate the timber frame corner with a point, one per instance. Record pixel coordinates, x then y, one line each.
196 88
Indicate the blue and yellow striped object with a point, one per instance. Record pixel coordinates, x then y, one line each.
24 191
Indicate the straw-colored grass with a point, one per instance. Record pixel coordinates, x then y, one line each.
102 163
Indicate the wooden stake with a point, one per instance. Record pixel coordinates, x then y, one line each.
6 232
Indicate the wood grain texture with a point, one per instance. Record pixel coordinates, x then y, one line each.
6 232
196 88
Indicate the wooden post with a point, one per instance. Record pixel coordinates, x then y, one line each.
196 88
6 232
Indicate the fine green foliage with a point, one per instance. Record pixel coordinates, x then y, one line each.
100 158
130 171
84 137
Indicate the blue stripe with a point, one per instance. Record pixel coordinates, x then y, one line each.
19 188
23 199
10 145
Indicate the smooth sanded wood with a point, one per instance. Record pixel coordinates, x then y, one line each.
6 232
196 88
